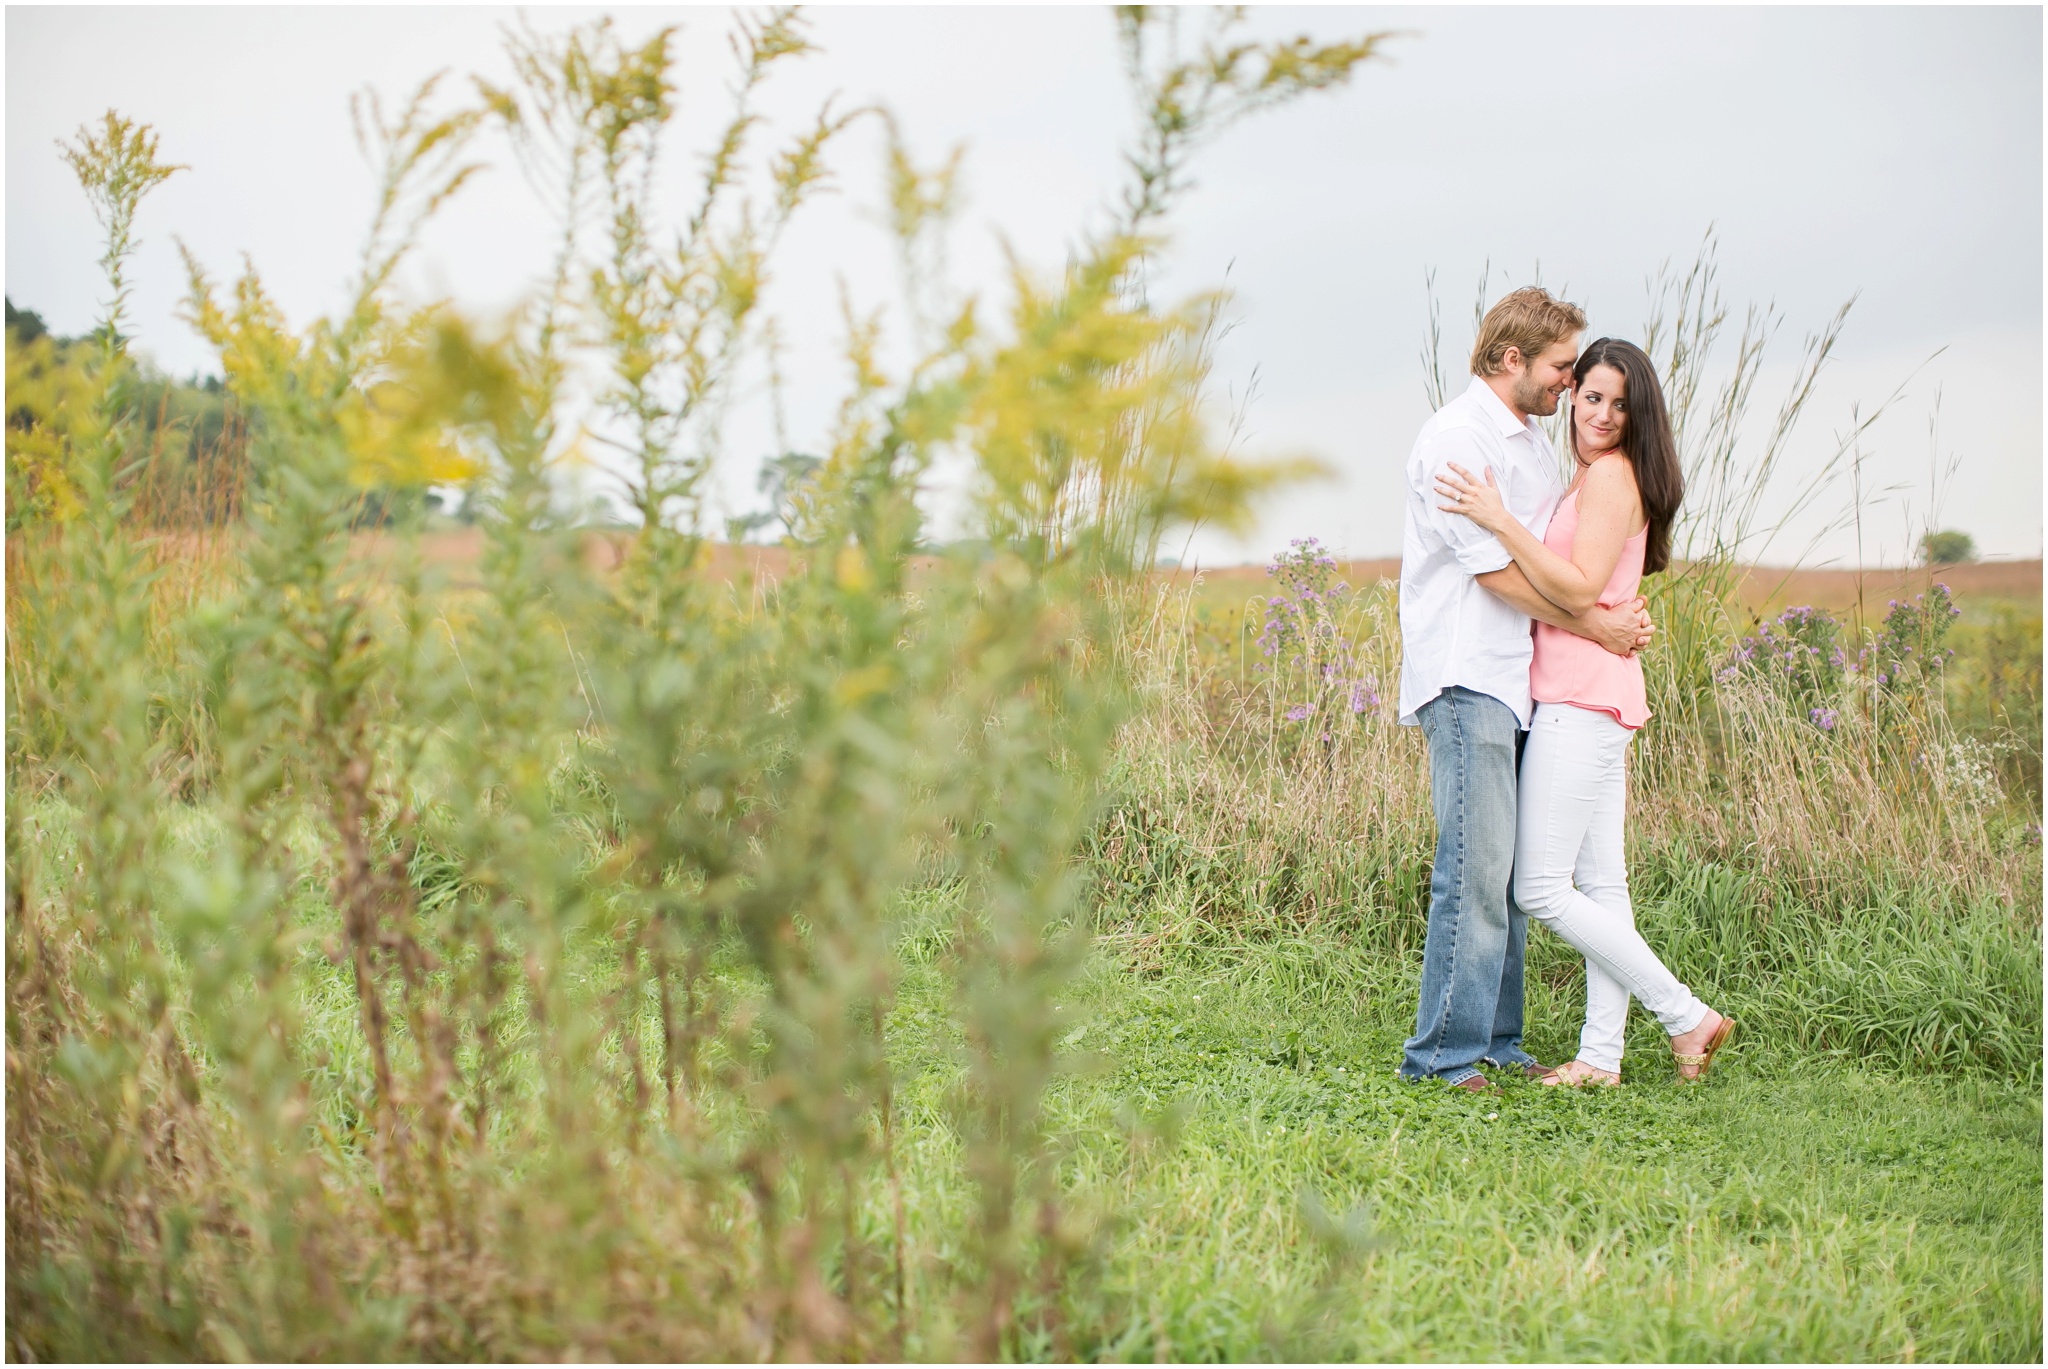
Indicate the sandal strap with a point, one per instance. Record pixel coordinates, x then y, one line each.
1682 1058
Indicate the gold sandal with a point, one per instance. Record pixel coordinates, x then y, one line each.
1557 1078
1720 1038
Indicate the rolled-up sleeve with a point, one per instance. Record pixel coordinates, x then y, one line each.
1478 551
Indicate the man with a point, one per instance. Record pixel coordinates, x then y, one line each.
1466 612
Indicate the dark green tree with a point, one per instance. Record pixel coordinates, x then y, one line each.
1947 548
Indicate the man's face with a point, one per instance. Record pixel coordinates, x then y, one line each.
1538 385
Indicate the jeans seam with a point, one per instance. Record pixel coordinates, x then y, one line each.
1459 724
1458 886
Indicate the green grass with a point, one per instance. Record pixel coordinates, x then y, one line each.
1859 1180
1994 687
1790 1208
1834 1192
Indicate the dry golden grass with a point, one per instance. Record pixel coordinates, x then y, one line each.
1765 587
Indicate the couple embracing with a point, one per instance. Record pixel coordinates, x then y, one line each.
1520 628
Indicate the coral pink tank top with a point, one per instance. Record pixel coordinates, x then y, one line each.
1572 670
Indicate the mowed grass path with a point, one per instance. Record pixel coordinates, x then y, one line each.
1784 1210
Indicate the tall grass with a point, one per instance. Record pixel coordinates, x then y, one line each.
1322 819
509 973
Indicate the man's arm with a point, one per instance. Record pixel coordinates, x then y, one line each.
1477 550
1624 629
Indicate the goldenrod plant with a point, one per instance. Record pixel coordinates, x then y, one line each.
515 976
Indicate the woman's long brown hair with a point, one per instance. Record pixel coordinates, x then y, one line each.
1645 440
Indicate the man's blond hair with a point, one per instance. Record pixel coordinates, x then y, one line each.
1529 319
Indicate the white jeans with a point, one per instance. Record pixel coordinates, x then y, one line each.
1570 874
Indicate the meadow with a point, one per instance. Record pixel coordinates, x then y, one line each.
624 946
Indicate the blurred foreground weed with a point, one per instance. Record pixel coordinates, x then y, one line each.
507 972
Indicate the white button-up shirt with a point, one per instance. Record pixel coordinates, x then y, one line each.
1453 632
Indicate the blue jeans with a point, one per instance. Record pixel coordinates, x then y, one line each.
1471 1008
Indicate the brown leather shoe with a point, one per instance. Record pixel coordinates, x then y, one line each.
1532 1070
1476 1084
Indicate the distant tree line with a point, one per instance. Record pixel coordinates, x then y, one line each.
186 440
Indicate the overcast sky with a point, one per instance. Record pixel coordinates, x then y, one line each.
1890 153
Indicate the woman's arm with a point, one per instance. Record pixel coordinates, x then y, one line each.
1624 629
1608 507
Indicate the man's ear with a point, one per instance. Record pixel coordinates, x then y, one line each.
1513 360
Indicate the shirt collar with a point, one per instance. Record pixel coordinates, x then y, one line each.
1503 418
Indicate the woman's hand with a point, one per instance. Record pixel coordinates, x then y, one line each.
1480 503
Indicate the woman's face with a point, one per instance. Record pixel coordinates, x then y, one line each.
1600 411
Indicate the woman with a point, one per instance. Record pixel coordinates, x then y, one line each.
1612 527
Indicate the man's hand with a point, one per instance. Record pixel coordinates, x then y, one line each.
1624 629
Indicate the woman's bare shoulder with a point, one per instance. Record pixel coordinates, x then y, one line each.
1611 469
1611 481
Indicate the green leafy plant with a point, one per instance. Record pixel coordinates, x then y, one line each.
511 971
